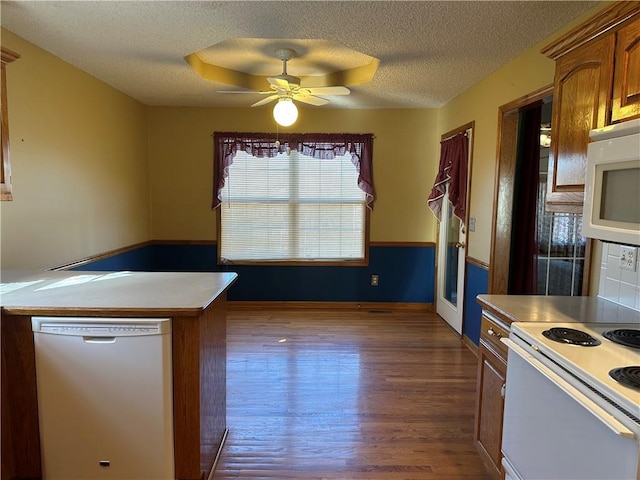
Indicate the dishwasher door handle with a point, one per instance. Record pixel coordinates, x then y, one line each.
87 339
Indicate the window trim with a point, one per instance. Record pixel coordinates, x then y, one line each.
304 143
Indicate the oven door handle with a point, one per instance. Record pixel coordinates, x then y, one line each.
597 411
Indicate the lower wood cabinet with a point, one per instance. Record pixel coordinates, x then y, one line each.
492 369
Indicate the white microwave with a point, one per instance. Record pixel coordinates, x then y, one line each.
611 209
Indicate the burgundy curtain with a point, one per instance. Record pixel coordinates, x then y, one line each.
454 155
523 265
316 145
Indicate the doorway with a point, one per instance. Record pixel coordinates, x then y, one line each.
557 262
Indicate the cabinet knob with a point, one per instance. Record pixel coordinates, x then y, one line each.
493 333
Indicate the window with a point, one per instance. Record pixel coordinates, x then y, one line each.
299 201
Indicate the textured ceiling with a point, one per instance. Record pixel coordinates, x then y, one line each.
429 52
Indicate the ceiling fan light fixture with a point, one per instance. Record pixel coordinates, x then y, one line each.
285 112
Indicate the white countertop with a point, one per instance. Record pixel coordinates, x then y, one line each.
110 293
539 308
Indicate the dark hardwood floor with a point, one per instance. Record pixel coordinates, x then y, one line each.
348 395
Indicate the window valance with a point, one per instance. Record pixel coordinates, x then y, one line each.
316 145
452 171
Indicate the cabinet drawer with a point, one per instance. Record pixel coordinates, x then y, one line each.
491 333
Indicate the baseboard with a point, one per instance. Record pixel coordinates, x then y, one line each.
362 306
469 343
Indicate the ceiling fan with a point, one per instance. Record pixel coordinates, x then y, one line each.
285 86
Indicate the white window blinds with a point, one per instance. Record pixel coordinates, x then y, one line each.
292 207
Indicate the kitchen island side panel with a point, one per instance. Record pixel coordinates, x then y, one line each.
19 409
199 383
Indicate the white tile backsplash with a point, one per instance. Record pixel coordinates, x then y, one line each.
616 284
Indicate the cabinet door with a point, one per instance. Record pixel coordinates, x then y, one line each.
581 100
489 409
626 77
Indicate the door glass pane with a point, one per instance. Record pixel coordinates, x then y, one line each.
451 258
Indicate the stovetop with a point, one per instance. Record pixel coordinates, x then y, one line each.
592 363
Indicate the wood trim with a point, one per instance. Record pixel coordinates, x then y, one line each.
199 390
604 21
183 242
374 307
100 311
403 244
478 263
503 188
470 345
20 450
586 272
457 130
100 256
8 56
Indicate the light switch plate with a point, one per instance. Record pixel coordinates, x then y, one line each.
628 258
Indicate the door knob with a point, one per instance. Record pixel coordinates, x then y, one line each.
460 245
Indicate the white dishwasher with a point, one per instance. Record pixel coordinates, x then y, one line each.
105 401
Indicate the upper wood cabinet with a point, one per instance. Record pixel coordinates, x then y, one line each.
596 83
581 97
5 174
626 77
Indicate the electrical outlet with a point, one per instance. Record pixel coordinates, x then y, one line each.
374 280
472 224
628 258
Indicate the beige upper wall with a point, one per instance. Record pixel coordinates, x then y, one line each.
86 181
525 74
79 164
181 169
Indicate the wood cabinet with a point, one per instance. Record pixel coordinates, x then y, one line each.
5 173
626 77
199 393
596 83
492 369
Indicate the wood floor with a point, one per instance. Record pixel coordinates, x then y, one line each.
348 395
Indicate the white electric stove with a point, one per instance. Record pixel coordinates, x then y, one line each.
566 416
591 363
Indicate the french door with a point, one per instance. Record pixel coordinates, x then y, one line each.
452 241
451 263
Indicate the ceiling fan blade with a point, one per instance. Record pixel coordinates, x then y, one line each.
279 82
246 91
310 99
264 101
328 90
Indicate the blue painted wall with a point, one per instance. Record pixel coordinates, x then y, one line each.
477 282
406 274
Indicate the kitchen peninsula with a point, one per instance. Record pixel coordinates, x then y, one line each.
196 305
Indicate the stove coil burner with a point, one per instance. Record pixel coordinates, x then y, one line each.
571 337
627 337
629 376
